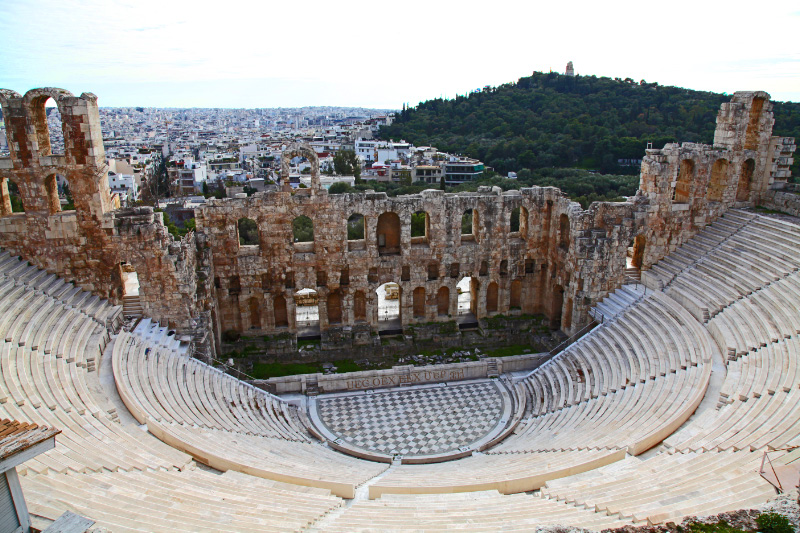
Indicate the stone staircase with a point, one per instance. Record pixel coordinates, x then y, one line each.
131 306
633 275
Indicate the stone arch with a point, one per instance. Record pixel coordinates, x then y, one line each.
563 231
255 312
388 234
523 222
682 190
355 227
418 302
334 307
718 180
491 297
420 228
5 96
247 232
279 311
35 101
751 136
443 301
515 301
51 192
390 308
745 180
360 306
300 150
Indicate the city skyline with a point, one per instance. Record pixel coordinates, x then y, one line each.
381 56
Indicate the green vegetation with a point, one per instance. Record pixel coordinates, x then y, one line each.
248 232
513 349
418 224
550 120
355 227
773 523
340 187
16 200
347 163
273 370
303 229
717 527
175 230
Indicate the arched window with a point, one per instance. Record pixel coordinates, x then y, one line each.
10 201
248 232
51 189
420 227
563 231
491 298
388 231
718 181
443 301
355 227
360 306
419 302
745 181
514 222
334 308
469 225
302 229
523 223
680 194
279 310
49 126
516 294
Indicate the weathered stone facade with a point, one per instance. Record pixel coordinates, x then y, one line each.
560 261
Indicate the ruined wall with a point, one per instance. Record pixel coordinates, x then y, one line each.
560 260
87 245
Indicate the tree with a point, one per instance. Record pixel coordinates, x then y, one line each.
443 184
340 187
347 163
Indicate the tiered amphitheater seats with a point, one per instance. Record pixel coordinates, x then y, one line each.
117 474
629 383
475 511
224 422
667 487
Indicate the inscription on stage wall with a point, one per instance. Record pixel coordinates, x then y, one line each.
425 376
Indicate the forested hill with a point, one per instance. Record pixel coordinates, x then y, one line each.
552 120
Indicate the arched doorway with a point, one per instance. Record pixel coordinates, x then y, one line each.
467 303
556 305
306 311
745 181
443 302
389 308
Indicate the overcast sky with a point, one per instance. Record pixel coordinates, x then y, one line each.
375 53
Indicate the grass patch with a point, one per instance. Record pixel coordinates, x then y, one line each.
514 349
768 211
276 370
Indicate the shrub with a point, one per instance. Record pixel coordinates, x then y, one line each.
773 523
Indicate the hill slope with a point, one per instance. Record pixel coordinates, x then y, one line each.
551 120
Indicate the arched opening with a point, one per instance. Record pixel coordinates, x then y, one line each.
467 303
443 301
418 303
514 222
680 194
420 226
635 255
247 229
745 181
355 232
567 321
360 306
388 232
751 137
302 229
49 126
254 306
335 307
389 307
51 190
563 231
279 311
556 305
306 311
718 181
515 302
523 223
491 298
131 304
469 225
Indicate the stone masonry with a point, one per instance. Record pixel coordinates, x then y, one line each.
561 261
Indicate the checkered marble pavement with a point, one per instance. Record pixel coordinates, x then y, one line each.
417 421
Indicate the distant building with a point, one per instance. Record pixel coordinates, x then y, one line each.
570 70
428 174
461 169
